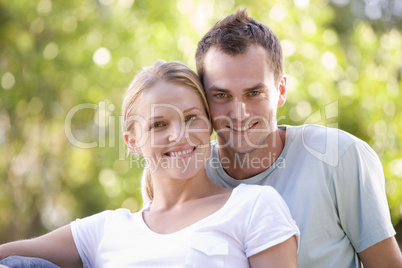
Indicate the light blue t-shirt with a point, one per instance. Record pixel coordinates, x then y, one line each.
334 186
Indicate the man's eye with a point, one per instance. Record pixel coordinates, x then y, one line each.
220 95
254 93
191 117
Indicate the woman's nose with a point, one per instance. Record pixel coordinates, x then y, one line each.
176 132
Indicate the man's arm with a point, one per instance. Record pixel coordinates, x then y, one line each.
383 254
57 246
363 207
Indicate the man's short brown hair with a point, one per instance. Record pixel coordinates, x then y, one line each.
234 35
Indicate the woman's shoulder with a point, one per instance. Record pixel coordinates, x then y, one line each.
256 193
256 189
108 216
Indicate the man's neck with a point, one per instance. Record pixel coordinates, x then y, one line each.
242 166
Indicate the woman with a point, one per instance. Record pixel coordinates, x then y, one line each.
190 221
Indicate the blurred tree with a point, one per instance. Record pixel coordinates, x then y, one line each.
65 66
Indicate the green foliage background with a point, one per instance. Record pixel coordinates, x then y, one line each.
343 60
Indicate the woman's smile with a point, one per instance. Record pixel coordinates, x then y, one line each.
182 152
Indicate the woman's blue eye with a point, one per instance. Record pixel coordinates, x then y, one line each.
191 117
156 124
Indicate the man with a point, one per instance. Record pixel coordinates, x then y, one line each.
332 182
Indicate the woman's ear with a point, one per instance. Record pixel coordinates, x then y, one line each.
130 141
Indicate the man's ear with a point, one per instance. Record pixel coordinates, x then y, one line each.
130 141
283 91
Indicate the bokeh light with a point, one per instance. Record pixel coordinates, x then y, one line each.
341 57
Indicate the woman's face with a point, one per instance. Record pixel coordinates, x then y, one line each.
172 130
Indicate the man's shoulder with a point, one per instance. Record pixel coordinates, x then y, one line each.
324 143
318 131
316 134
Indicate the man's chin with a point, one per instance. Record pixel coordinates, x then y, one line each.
242 149
239 148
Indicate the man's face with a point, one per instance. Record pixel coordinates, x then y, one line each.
243 98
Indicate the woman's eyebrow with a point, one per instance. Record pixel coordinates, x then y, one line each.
190 109
152 118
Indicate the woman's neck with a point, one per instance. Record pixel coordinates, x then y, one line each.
179 203
170 193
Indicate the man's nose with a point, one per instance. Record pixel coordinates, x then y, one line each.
239 111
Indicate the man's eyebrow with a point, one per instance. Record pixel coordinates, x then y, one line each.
215 88
255 87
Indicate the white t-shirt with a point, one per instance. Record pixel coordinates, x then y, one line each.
333 184
253 219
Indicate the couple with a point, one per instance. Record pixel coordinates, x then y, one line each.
331 181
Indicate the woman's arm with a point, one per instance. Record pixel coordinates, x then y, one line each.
57 246
283 255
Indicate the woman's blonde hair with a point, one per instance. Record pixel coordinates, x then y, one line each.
161 71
